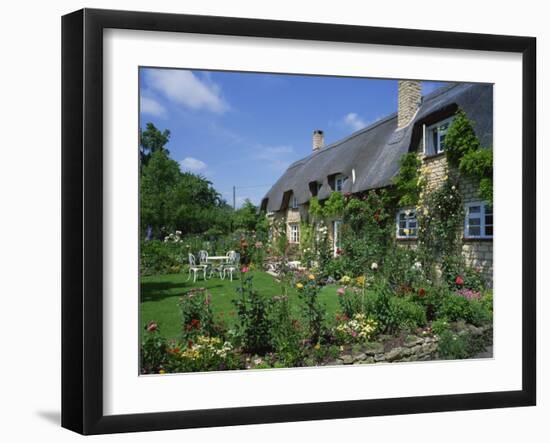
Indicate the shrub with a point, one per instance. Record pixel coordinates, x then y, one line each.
356 329
153 350
393 313
403 269
351 301
285 332
157 257
253 316
366 231
459 276
454 307
314 310
203 354
334 268
454 345
440 326
196 314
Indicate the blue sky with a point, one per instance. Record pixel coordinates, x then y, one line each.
244 129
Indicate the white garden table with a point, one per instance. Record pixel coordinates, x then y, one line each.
216 258
216 261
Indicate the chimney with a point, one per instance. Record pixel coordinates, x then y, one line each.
409 98
318 139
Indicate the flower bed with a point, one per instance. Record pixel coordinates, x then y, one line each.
376 322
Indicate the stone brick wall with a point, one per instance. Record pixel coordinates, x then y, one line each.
477 253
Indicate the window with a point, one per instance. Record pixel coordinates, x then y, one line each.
293 201
294 233
339 181
407 226
435 136
479 220
314 188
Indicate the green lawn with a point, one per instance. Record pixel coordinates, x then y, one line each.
160 294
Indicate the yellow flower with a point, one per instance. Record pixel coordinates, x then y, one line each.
318 346
162 371
311 277
406 231
299 285
361 280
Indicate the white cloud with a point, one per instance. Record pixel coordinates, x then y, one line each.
277 157
185 88
152 107
354 121
192 164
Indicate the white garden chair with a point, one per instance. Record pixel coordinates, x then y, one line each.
232 264
203 259
194 268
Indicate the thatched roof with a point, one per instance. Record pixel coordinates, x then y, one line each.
374 152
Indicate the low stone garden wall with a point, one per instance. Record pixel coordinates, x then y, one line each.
411 348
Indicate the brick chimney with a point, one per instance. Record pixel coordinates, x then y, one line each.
318 139
409 98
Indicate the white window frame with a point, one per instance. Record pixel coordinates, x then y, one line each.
340 178
483 209
294 232
336 231
428 136
410 219
293 202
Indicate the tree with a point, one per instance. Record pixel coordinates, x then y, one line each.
152 140
246 217
158 180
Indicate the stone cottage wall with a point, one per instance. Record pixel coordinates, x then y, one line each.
477 253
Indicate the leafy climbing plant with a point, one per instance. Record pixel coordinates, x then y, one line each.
408 181
463 151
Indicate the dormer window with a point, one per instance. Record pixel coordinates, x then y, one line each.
435 136
293 202
339 181
314 188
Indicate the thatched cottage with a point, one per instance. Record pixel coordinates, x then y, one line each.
369 159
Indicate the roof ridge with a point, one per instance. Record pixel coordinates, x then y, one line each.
435 93
345 139
442 89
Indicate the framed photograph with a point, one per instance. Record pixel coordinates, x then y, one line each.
269 221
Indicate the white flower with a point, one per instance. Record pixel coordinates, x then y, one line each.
417 265
178 232
374 266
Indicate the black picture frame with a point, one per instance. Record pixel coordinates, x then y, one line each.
82 218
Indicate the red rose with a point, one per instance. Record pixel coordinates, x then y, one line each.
244 270
459 280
